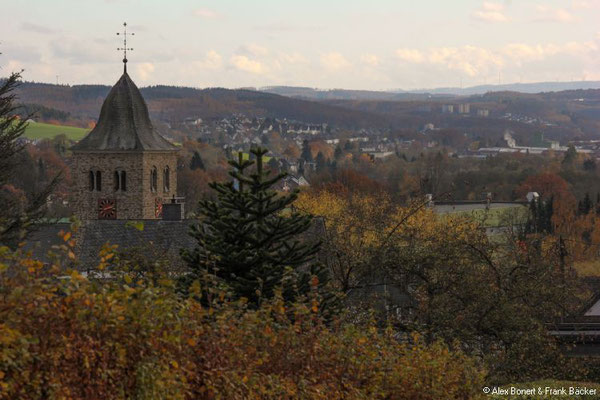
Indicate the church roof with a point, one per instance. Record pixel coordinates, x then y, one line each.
124 123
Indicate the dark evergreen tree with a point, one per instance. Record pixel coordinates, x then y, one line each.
16 219
338 152
196 162
306 154
252 239
532 222
548 212
321 162
273 164
570 155
589 164
585 206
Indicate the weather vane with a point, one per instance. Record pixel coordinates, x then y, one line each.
125 48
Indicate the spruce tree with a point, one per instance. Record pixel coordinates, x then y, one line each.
196 162
338 152
250 236
321 162
16 219
306 154
586 204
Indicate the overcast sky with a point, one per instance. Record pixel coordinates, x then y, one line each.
354 44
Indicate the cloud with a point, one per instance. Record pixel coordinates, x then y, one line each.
78 51
553 14
370 59
212 60
410 55
490 12
246 64
513 58
19 52
521 52
469 60
206 13
293 58
284 27
334 61
145 70
31 27
252 50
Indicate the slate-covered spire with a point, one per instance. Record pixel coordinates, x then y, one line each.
124 123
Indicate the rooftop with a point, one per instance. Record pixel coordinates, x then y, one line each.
124 123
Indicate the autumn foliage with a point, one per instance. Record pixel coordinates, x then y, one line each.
65 336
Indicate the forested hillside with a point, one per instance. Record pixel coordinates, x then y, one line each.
563 116
169 103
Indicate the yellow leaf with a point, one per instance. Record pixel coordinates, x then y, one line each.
1 374
121 318
67 236
174 364
315 306
191 342
127 279
71 255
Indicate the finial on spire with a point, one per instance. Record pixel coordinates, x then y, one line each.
125 48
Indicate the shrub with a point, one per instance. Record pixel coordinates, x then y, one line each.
65 336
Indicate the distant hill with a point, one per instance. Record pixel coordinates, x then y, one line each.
539 87
562 115
422 94
170 103
343 94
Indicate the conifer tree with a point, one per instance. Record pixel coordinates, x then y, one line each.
306 154
16 220
321 162
196 162
586 204
250 236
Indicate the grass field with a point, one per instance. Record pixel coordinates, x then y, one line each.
38 130
495 217
246 156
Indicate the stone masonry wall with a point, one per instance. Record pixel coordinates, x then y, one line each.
138 201
160 161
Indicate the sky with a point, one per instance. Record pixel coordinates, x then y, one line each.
350 44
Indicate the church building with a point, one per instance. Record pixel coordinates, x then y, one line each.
123 169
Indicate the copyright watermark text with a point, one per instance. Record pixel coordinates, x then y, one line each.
540 391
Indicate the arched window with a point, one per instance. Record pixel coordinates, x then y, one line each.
123 181
120 181
166 180
153 179
98 181
92 183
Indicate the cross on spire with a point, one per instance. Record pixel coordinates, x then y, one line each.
125 48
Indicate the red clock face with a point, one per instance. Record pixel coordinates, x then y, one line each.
158 207
107 209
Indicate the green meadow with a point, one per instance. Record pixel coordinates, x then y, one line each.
39 130
246 156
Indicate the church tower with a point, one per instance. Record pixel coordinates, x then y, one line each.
123 169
